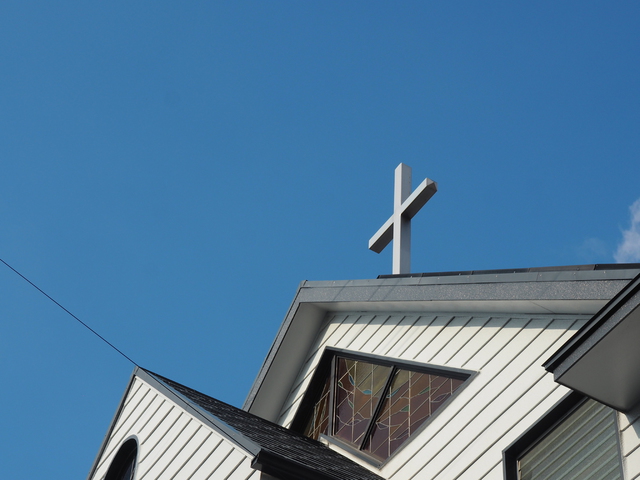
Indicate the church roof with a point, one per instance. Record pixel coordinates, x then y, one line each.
578 289
277 451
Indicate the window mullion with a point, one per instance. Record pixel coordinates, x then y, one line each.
332 395
378 409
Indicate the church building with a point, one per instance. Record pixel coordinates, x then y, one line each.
505 374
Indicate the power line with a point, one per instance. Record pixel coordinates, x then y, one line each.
84 324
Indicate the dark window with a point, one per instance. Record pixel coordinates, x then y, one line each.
372 404
576 439
124 463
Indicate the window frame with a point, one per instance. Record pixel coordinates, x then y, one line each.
326 368
553 418
127 455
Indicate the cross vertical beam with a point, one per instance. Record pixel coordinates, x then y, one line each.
401 224
398 227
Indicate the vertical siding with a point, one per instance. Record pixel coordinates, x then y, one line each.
172 443
510 392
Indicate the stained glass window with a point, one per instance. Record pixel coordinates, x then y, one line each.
359 386
375 406
412 399
319 421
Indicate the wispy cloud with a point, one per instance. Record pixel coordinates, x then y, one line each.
629 249
593 250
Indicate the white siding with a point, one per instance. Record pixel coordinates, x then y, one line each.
630 442
511 391
172 443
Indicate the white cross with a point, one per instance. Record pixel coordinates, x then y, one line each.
398 227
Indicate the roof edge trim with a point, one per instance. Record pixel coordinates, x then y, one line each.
567 268
221 427
599 319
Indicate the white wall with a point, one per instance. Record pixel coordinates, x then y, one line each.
511 391
172 443
630 442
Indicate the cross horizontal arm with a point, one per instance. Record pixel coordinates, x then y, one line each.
382 237
408 209
419 198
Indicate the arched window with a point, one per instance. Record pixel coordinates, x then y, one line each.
123 466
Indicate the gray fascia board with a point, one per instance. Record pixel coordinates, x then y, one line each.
470 307
534 292
215 423
495 292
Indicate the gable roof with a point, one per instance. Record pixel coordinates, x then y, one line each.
277 451
582 289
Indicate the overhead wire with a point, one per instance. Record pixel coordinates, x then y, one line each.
71 314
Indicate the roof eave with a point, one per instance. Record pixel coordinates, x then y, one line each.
601 360
285 469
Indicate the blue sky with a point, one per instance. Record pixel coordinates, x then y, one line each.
172 171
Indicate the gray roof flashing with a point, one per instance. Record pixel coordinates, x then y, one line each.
534 274
561 268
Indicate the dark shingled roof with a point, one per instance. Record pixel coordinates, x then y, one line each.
283 453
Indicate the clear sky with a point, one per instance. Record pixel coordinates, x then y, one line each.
172 170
